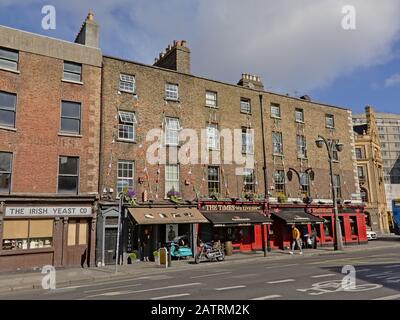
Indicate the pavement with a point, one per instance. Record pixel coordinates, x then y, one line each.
17 283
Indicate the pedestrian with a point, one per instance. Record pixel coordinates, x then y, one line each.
146 245
296 239
314 237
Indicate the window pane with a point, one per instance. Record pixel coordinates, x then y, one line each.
126 132
83 226
71 109
69 165
41 228
72 76
15 229
5 161
7 101
67 184
72 67
8 54
7 118
71 233
70 125
5 182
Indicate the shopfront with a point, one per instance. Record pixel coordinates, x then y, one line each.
284 218
164 224
352 223
243 224
42 232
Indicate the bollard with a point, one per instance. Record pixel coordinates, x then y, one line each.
169 259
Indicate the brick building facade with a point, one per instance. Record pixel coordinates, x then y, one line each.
49 147
138 98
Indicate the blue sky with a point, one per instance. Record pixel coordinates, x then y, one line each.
297 47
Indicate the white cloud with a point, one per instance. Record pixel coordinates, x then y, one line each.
393 80
292 45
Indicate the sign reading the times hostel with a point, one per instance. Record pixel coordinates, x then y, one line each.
231 207
47 211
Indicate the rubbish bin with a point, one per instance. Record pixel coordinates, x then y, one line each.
228 248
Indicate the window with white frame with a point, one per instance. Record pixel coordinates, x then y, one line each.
305 183
125 179
248 180
7 109
337 185
279 181
212 136
299 115
126 125
277 144
247 141
126 83
211 99
213 180
72 71
171 178
70 117
275 111
245 105
171 91
172 128
329 121
301 146
8 59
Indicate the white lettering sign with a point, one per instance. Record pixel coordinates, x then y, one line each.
47 211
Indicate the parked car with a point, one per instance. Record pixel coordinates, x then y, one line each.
371 235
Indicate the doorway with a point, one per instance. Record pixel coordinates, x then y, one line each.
110 245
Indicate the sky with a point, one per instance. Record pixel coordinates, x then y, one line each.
345 58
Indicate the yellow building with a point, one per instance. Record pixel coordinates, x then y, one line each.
370 173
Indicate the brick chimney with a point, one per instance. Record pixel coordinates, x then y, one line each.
251 81
175 57
89 33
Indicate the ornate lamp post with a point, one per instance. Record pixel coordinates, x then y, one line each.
331 146
310 176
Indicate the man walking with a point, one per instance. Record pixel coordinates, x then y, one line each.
296 239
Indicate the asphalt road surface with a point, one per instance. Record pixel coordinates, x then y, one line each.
295 277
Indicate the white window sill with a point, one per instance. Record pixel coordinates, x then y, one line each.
212 107
277 155
10 70
8 128
72 81
298 121
274 117
127 91
126 140
247 113
172 100
329 127
71 135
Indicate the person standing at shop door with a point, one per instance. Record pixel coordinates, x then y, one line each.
296 239
314 237
146 241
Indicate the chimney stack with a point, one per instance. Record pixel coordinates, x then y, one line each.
251 81
89 33
176 57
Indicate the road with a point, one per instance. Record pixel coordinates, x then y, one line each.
295 277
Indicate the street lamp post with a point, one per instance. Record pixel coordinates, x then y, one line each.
331 146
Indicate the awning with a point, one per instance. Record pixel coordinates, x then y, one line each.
228 218
166 215
297 216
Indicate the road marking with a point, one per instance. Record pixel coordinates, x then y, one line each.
281 281
324 275
210 275
230 288
393 266
245 275
282 266
273 296
147 290
363 270
111 288
114 293
171 296
393 297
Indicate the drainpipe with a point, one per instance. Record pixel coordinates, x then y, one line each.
266 195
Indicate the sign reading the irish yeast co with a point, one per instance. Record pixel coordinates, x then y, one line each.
47 211
231 207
